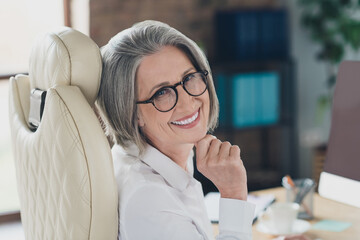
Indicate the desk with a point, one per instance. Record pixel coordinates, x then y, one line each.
323 209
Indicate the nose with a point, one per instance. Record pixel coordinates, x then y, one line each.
184 99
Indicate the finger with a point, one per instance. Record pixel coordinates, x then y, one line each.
202 146
235 151
224 151
214 149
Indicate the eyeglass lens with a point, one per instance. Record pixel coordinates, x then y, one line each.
166 98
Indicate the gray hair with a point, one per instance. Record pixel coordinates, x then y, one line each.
118 93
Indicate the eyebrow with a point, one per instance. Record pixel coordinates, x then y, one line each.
167 83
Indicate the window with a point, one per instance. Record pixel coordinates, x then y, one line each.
21 21
8 200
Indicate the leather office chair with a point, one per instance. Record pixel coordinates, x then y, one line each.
63 161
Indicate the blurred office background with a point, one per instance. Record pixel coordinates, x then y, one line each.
271 82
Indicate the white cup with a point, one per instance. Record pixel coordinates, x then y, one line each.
281 217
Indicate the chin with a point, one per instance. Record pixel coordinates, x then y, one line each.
197 137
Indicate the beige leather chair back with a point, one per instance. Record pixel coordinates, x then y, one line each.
64 169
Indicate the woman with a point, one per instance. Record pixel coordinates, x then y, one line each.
158 101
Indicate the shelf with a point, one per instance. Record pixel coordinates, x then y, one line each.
250 65
249 128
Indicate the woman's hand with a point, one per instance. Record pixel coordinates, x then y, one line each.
220 162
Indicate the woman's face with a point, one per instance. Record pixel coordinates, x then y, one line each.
187 122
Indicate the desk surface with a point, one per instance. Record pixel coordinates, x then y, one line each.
324 209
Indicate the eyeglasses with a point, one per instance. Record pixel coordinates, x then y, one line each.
165 99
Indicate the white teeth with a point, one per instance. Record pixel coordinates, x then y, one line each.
187 121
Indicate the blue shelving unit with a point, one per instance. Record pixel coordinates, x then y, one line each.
254 79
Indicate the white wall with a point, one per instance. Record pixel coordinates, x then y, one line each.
310 77
80 12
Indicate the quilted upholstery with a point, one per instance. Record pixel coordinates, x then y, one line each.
64 170
59 58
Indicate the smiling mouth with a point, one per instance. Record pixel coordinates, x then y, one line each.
187 121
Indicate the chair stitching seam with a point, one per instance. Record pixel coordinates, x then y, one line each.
87 165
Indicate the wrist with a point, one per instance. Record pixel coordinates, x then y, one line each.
240 195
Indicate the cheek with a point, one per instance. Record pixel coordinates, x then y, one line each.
207 108
153 117
206 102
145 115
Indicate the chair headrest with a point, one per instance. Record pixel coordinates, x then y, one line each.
66 57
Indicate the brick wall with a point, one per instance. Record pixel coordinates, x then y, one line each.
194 18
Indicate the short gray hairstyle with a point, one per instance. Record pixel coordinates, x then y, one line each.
118 89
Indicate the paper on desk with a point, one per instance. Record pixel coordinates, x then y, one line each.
331 225
212 200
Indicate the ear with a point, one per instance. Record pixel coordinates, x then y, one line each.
141 122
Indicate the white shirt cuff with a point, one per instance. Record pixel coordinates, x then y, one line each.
236 215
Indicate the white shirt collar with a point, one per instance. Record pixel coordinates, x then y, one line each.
176 176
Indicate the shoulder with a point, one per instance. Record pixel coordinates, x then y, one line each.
131 172
136 179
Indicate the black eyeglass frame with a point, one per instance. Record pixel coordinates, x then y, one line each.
151 99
